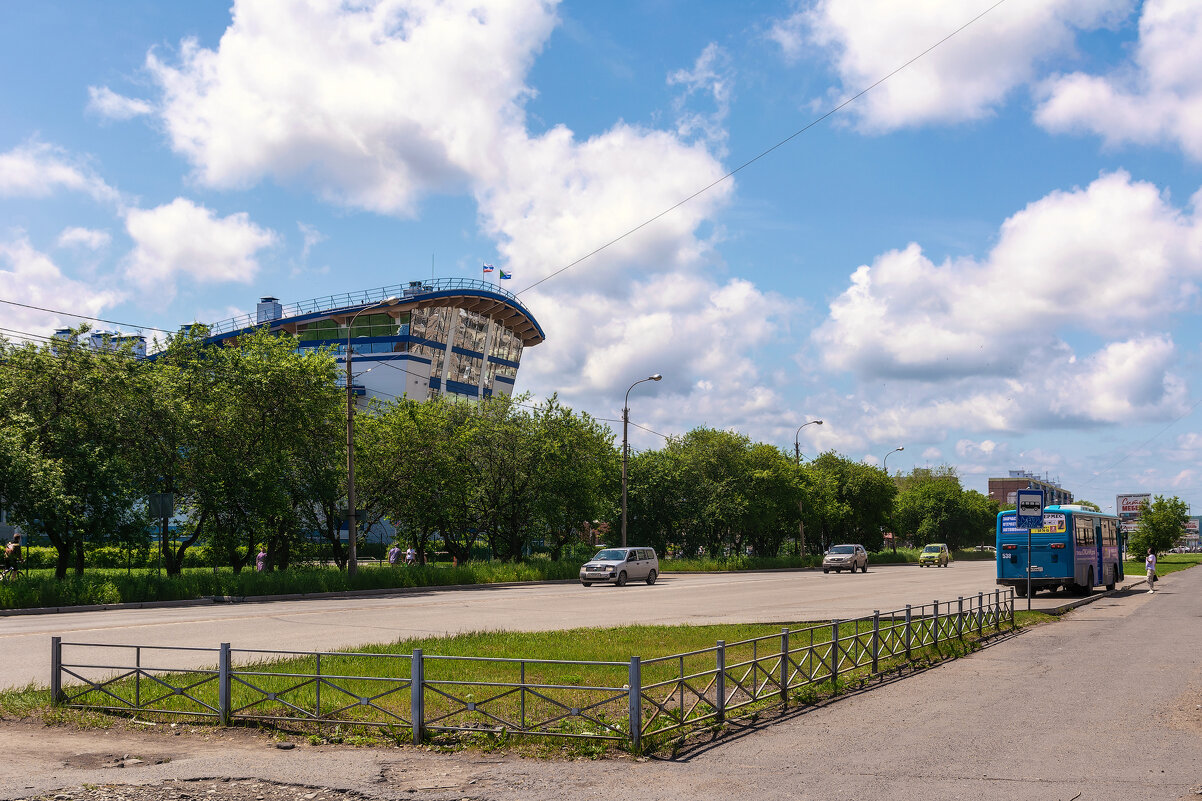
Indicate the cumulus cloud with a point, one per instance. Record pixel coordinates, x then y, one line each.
87 238
1113 257
964 78
1157 98
182 239
32 276
984 345
37 169
329 95
107 103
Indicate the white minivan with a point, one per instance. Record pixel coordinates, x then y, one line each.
620 565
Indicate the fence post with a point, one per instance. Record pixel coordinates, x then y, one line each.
56 670
417 678
784 665
907 632
980 614
834 651
997 610
876 637
634 696
1011 607
935 625
720 679
960 617
223 684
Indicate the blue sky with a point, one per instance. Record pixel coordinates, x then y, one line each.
992 258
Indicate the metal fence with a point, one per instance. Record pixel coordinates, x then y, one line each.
414 694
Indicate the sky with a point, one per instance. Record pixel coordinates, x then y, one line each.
969 228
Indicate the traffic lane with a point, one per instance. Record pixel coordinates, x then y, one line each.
323 624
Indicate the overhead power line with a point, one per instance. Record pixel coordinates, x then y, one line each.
85 317
764 153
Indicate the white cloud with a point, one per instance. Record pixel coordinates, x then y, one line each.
1114 257
33 277
964 78
931 454
107 103
1156 98
88 238
184 239
38 170
311 236
713 77
371 104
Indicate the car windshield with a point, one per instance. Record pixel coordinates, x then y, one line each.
843 549
931 549
610 555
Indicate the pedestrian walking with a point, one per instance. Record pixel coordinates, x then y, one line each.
394 555
410 557
1150 566
261 561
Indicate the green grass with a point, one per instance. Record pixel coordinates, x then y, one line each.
1168 563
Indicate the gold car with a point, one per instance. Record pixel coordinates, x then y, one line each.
935 554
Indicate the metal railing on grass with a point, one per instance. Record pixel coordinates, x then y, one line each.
623 701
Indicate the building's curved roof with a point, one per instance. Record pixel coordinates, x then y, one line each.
468 293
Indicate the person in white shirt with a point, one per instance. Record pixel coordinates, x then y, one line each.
410 557
1150 564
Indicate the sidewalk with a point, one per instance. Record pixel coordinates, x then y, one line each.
1104 704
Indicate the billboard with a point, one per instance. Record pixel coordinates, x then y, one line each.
1128 506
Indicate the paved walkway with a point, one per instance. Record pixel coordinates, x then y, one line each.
1105 704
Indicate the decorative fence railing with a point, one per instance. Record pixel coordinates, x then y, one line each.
623 701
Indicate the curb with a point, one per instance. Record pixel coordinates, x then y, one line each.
1063 608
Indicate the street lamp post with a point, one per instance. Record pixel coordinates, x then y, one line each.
801 524
890 453
352 534
626 445
797 440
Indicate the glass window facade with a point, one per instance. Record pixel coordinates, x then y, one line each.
322 330
506 345
472 331
431 323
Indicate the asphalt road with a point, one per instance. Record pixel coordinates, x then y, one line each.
321 624
1103 705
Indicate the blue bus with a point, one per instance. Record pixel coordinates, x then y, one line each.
1075 549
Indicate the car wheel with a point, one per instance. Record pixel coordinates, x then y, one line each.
651 577
621 582
587 583
824 570
864 568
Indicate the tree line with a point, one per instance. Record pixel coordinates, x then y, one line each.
249 438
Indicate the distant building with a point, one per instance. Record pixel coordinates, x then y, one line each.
108 340
452 336
1005 490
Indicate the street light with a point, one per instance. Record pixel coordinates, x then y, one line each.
352 564
626 445
797 440
887 455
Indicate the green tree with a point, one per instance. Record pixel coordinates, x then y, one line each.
1161 524
856 502
71 442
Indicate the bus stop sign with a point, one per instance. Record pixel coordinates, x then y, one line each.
1029 505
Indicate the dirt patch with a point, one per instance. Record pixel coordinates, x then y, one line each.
1185 712
247 790
102 760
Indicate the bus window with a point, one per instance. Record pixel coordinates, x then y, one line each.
1084 529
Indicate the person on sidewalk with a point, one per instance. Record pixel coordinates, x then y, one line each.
394 555
1150 565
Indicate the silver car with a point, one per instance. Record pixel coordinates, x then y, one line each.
845 557
621 565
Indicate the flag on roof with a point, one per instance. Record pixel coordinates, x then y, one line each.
488 268
506 276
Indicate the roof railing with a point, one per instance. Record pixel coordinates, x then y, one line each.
363 297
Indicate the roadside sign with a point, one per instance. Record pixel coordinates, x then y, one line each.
1029 507
160 504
